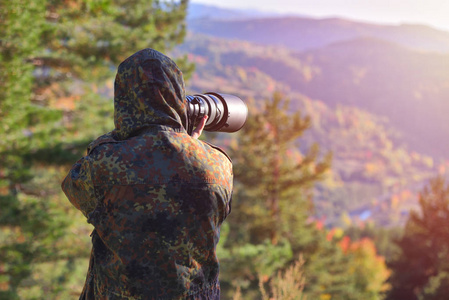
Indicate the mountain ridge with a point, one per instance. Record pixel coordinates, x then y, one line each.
303 33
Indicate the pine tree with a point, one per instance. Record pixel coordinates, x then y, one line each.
421 268
26 225
271 222
58 59
271 173
271 203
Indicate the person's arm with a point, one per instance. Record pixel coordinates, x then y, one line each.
79 188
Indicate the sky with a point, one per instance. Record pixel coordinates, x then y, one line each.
434 13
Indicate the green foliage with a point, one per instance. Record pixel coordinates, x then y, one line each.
104 33
329 271
271 208
421 267
288 285
271 216
29 221
382 237
270 205
57 62
243 263
437 288
370 270
272 178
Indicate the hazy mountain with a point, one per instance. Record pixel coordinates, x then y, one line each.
410 88
378 106
300 33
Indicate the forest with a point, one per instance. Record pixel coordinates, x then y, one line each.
331 201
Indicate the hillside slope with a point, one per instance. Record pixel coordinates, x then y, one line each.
375 168
409 88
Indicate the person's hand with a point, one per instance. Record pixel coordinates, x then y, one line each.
199 129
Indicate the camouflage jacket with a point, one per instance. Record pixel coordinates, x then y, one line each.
156 196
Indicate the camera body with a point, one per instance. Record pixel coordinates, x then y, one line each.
226 113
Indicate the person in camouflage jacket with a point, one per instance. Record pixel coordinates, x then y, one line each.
155 195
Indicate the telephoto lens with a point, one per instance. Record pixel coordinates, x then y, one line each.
226 113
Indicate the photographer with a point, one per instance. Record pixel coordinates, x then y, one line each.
156 195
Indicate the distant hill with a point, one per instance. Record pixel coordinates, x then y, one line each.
366 98
410 88
300 33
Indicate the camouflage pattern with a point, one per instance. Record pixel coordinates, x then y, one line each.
156 196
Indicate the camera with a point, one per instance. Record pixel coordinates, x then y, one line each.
226 113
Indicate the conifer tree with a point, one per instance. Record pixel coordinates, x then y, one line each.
271 221
58 59
421 268
25 223
272 174
272 193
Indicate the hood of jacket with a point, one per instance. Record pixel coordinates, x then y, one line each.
148 90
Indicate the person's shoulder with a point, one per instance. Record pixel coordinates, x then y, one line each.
107 138
218 150
221 165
